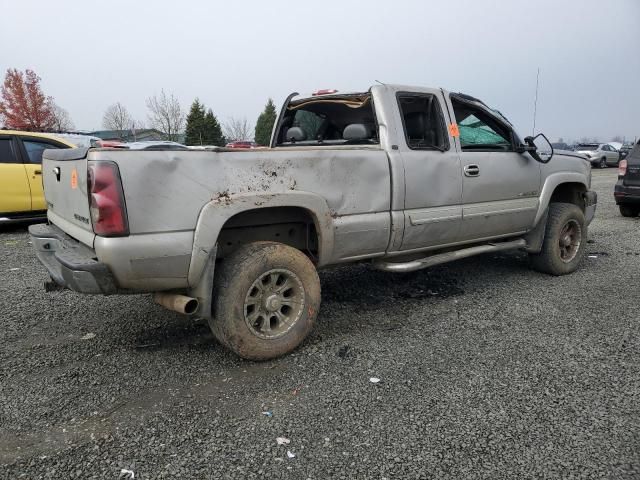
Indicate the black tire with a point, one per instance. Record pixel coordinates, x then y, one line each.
240 293
559 256
629 210
603 163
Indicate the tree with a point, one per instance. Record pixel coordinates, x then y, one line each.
617 138
236 129
212 131
195 130
165 115
265 122
24 106
116 117
61 120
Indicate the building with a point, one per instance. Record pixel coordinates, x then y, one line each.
141 135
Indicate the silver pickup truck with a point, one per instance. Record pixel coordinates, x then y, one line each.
401 177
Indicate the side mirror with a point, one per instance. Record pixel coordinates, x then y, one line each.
539 147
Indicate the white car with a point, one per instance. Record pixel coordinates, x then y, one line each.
600 155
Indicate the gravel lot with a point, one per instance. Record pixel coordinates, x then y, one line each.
487 369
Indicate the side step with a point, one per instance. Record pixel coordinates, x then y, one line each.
437 259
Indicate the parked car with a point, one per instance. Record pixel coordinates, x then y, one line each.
627 189
625 149
109 144
241 144
78 139
155 145
400 177
561 146
600 155
21 196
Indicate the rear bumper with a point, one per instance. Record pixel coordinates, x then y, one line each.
625 194
70 263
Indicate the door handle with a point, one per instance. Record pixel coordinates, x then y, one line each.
472 170
37 172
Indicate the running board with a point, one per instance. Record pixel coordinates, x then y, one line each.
439 258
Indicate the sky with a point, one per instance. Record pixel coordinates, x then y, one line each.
233 55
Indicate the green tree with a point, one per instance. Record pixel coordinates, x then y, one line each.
195 131
212 130
265 122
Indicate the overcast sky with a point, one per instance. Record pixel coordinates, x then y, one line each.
233 55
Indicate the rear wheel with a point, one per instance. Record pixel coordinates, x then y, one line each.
267 300
565 239
603 163
629 211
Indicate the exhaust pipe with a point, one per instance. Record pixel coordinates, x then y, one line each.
177 303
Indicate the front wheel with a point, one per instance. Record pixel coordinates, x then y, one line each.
267 297
603 163
565 239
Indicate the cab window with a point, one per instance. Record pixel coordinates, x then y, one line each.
7 153
423 122
480 130
35 148
341 119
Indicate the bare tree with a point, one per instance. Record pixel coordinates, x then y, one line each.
617 138
236 129
61 120
166 115
116 117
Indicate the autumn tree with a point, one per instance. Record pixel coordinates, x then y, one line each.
265 122
117 117
24 106
166 115
236 129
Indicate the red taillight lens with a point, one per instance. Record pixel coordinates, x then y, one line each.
106 200
622 168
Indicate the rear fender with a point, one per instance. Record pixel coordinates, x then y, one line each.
216 213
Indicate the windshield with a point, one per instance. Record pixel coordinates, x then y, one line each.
587 147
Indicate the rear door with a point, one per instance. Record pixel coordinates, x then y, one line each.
500 186
32 148
433 185
15 195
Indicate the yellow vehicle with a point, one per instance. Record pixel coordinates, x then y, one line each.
21 195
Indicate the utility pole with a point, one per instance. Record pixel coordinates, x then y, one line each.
535 104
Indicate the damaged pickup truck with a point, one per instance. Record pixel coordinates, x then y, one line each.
401 177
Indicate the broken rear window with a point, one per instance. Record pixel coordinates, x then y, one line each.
329 120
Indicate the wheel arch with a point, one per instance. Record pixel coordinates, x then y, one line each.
568 187
243 212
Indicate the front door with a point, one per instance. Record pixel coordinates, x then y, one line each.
15 195
500 186
433 184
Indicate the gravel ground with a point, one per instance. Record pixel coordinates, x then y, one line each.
487 370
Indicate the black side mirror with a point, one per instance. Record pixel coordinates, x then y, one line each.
539 147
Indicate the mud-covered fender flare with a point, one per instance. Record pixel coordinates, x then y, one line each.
551 183
217 212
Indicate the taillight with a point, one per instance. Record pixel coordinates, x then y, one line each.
622 168
106 200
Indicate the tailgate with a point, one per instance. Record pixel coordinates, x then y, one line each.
64 174
632 178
